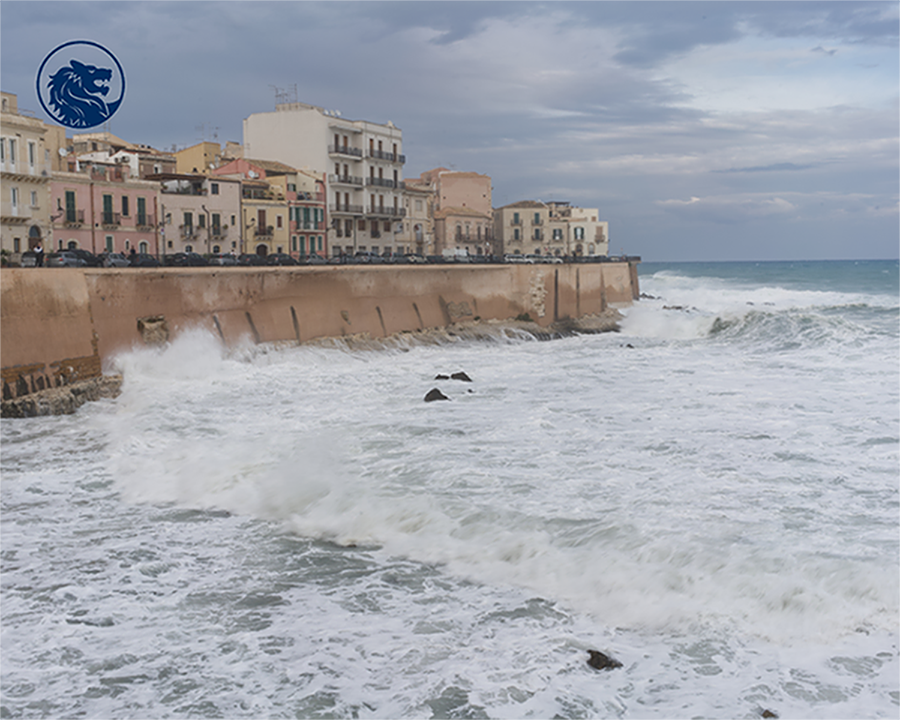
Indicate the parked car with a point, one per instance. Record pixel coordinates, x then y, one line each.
251 259
185 259
415 258
223 259
312 259
29 259
90 260
113 260
280 259
142 260
63 258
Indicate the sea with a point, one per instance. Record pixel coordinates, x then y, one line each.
708 496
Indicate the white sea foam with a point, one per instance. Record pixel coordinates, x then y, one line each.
715 505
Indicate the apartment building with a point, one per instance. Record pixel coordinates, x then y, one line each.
101 208
363 162
25 167
531 227
282 208
417 233
198 213
462 213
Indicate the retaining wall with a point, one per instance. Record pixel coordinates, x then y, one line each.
58 325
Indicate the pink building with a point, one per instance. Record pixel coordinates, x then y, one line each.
100 208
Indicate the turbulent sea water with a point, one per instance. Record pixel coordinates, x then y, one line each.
710 496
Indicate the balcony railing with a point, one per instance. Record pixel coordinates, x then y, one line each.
345 150
537 221
382 155
145 220
385 182
516 221
74 217
346 208
345 180
110 218
264 232
386 211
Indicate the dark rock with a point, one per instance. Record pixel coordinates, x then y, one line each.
7 393
461 376
435 394
769 714
629 345
21 386
441 377
599 661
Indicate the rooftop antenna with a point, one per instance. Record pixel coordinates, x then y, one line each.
281 95
207 131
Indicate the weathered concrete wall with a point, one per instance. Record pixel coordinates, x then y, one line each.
59 325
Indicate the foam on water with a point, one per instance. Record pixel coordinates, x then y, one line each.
716 505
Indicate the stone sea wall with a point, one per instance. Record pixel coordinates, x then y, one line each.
60 326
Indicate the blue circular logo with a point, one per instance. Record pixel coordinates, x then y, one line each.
80 84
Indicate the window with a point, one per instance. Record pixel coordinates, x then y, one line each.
17 244
579 233
557 233
14 197
232 219
214 189
516 234
278 221
216 224
201 220
418 206
70 206
2 149
109 243
31 154
125 207
188 221
515 218
189 248
33 199
108 209
537 218
12 151
348 226
537 234
142 211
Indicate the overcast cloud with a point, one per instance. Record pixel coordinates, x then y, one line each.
702 131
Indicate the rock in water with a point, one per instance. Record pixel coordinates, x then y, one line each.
768 714
461 376
599 661
441 377
435 394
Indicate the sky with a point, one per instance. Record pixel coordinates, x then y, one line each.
701 130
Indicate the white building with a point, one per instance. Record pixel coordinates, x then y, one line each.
363 162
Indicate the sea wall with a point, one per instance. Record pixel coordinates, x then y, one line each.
60 325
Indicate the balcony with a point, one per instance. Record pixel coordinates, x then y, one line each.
146 221
385 182
537 221
264 232
187 231
110 219
345 180
345 208
74 217
391 157
382 211
345 150
516 221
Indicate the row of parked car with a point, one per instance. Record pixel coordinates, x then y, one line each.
77 257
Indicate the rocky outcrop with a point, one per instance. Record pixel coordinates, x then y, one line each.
435 394
599 661
62 400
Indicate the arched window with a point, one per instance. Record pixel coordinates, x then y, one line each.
143 247
72 245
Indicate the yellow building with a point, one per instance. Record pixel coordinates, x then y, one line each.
25 168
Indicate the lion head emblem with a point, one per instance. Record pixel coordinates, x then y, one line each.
77 92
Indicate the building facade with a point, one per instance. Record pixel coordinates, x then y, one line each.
417 233
199 213
101 208
25 168
531 227
363 162
462 212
